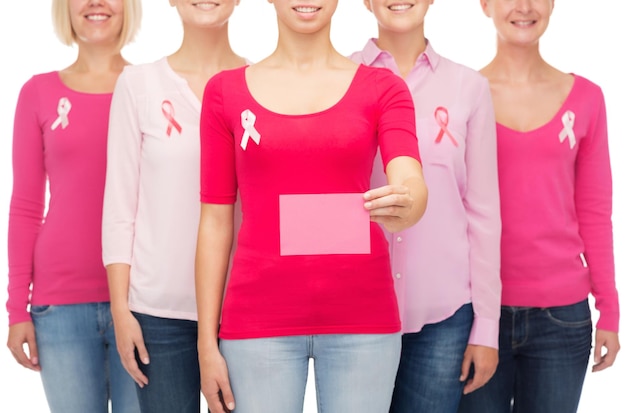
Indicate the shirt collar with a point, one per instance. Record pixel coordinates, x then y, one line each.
371 53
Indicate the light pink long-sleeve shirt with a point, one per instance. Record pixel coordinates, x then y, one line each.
557 235
59 138
452 256
152 202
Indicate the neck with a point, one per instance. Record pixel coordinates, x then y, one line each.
98 59
304 51
404 47
519 64
203 50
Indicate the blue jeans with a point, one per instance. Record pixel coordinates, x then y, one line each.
544 353
80 368
430 366
173 373
353 372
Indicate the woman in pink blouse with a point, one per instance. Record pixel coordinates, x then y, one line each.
447 267
151 208
58 297
557 247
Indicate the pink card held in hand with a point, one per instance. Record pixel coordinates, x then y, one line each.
321 224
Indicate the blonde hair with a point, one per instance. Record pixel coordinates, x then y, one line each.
65 32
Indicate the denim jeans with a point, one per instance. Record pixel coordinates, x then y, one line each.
173 373
544 353
353 372
430 366
80 368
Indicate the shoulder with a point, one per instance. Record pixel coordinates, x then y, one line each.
231 80
586 89
41 86
379 79
42 81
145 71
230 76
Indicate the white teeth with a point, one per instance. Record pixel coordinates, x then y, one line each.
400 7
306 9
205 6
524 23
97 17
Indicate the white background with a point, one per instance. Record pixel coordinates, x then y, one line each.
584 37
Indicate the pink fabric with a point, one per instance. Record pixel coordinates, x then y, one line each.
151 203
556 205
326 152
57 254
452 256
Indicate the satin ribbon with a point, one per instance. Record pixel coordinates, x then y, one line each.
168 111
247 122
442 118
568 128
63 109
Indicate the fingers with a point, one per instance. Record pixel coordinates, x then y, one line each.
129 357
34 354
484 360
465 368
129 361
220 397
227 395
480 378
215 383
388 200
607 342
22 358
24 334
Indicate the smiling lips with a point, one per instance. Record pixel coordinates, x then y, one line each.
205 5
523 23
400 7
97 17
307 9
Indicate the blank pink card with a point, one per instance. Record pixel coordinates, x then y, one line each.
319 224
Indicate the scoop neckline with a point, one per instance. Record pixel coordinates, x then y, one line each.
552 119
79 92
344 97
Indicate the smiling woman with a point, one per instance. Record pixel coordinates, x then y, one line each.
152 181
580 39
58 297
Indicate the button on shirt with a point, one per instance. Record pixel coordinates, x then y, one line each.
452 255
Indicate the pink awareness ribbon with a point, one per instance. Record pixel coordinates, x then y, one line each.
568 128
247 122
168 111
63 109
442 118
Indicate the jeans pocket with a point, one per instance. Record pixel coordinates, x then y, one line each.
40 310
574 315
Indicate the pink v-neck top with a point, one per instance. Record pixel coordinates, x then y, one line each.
330 151
556 197
59 139
451 257
151 203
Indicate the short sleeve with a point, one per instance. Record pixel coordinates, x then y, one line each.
218 182
396 121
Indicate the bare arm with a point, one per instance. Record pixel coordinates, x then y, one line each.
128 335
215 237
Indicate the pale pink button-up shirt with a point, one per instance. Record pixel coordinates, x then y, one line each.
452 256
